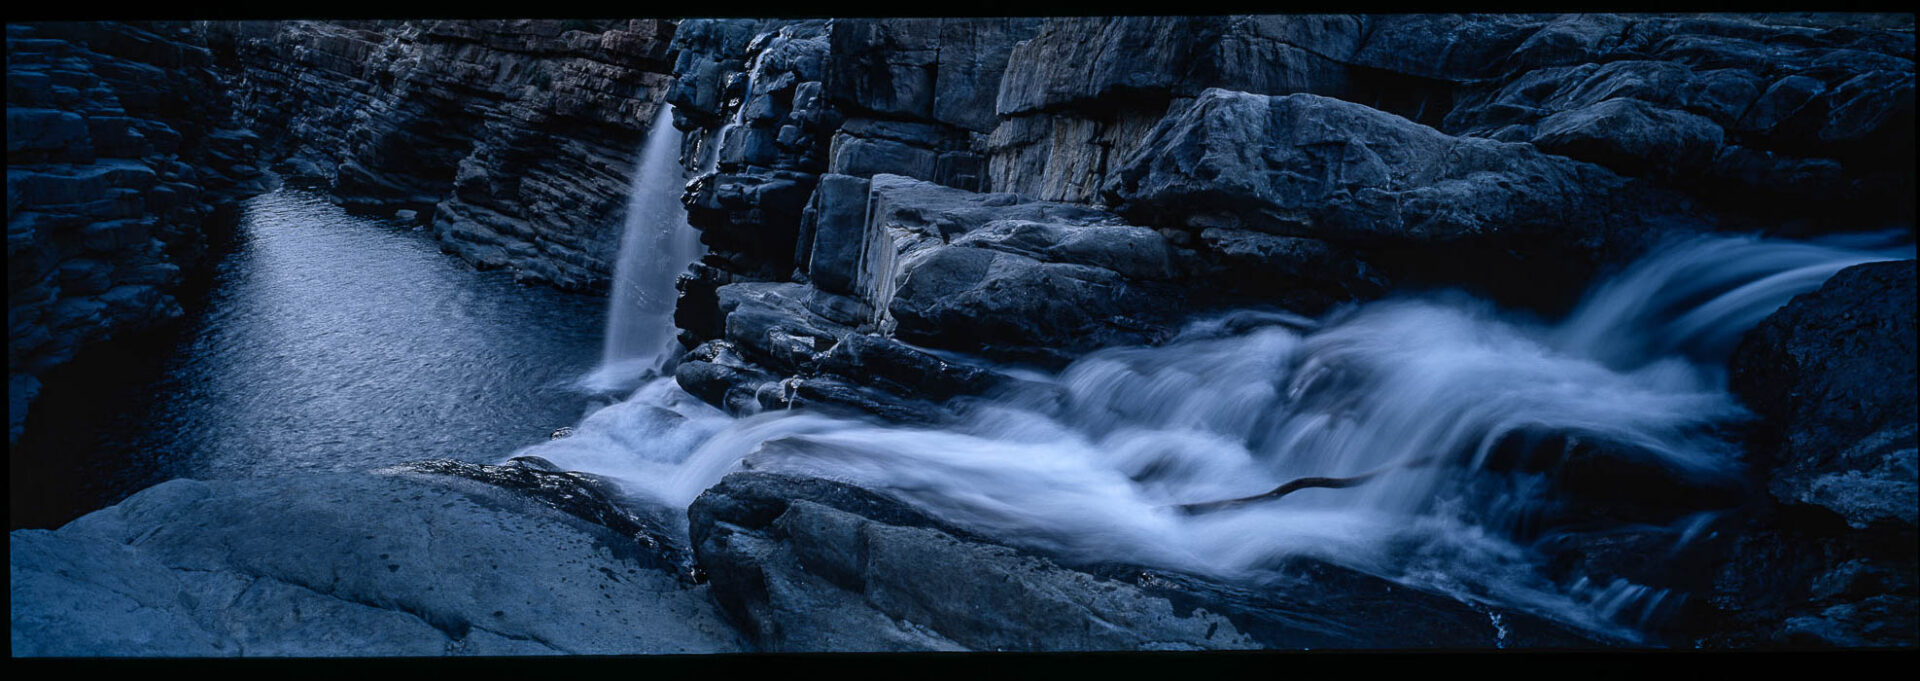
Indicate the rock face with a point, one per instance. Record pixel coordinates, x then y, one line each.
1136 165
872 215
346 564
515 140
1831 560
123 168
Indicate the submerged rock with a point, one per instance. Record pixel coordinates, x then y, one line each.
345 565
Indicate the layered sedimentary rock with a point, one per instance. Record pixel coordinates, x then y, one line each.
123 168
515 140
1298 161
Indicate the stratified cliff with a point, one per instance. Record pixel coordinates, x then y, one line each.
123 168
1030 189
514 140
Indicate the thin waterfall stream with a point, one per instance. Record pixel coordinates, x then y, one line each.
656 245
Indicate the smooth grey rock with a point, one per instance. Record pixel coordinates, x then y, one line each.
866 157
1135 252
344 564
1014 306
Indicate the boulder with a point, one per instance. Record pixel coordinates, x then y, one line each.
1831 376
1830 559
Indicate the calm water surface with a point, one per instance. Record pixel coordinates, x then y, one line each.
338 342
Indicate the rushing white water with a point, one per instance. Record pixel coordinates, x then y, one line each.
1088 463
656 245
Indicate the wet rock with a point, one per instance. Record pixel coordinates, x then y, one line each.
1830 561
582 495
346 565
1305 274
903 369
717 374
1831 376
800 567
809 564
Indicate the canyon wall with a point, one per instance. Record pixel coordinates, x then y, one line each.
515 141
124 166
1027 189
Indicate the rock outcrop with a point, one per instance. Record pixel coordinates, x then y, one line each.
1296 161
805 564
124 166
347 564
1830 557
515 140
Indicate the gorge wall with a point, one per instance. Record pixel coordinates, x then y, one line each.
1029 189
881 194
514 140
123 169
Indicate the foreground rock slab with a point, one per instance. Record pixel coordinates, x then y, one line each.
808 564
346 564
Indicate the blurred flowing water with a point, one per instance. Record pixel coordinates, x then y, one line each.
1090 463
334 342
656 245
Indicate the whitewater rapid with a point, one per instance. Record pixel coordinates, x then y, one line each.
1089 463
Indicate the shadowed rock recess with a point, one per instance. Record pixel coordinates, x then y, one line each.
906 222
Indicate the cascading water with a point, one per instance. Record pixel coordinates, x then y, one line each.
656 245
1091 464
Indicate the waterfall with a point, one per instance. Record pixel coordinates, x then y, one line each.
1090 463
656 245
